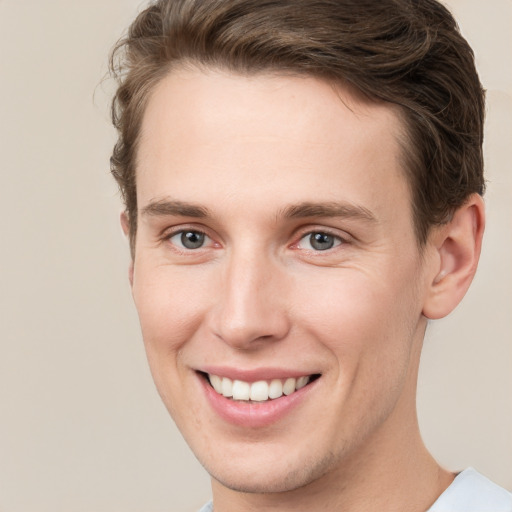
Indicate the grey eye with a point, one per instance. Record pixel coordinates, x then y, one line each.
319 241
189 239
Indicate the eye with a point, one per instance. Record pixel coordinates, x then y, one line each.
189 239
319 241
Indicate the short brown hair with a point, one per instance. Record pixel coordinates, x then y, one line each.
406 52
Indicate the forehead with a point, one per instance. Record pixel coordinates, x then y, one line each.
209 130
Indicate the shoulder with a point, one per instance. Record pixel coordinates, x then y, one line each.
473 492
207 508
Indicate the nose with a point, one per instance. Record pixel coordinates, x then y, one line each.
251 308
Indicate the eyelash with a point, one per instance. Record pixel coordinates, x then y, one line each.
337 240
181 232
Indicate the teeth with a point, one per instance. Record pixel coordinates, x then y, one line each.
301 382
241 390
227 387
275 389
289 386
259 391
216 382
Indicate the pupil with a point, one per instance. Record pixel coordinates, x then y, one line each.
192 239
321 241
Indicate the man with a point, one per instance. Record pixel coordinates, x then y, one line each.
303 185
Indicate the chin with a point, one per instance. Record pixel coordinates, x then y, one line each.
282 475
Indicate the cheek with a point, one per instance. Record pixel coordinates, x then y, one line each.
368 326
169 303
169 310
355 301
170 306
366 320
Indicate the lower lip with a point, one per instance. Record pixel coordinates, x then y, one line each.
254 414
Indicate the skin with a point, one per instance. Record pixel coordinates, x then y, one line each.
245 151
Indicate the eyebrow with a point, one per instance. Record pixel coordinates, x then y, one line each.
169 207
329 209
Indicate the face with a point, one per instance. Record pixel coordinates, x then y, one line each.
276 276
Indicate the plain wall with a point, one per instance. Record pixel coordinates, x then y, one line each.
81 425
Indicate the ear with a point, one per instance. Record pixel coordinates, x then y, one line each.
125 225
456 247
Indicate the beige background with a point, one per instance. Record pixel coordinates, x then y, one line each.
81 426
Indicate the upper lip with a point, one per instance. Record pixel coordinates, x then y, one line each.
255 374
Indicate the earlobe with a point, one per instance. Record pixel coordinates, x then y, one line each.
457 247
125 225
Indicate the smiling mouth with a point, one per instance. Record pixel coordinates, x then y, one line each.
259 391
